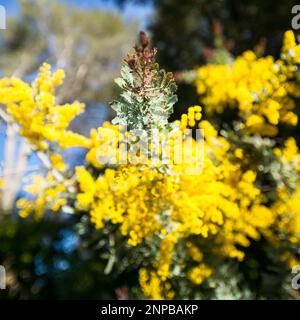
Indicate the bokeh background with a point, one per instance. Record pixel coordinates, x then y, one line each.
89 40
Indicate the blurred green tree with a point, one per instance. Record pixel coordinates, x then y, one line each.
88 44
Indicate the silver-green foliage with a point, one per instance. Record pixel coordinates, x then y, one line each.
147 93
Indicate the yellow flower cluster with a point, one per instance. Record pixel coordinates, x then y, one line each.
47 193
288 211
153 287
221 205
289 155
287 206
34 109
198 274
103 145
190 119
290 50
130 196
261 89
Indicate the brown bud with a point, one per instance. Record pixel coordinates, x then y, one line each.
131 62
144 39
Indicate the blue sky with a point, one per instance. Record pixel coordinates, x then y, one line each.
130 11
